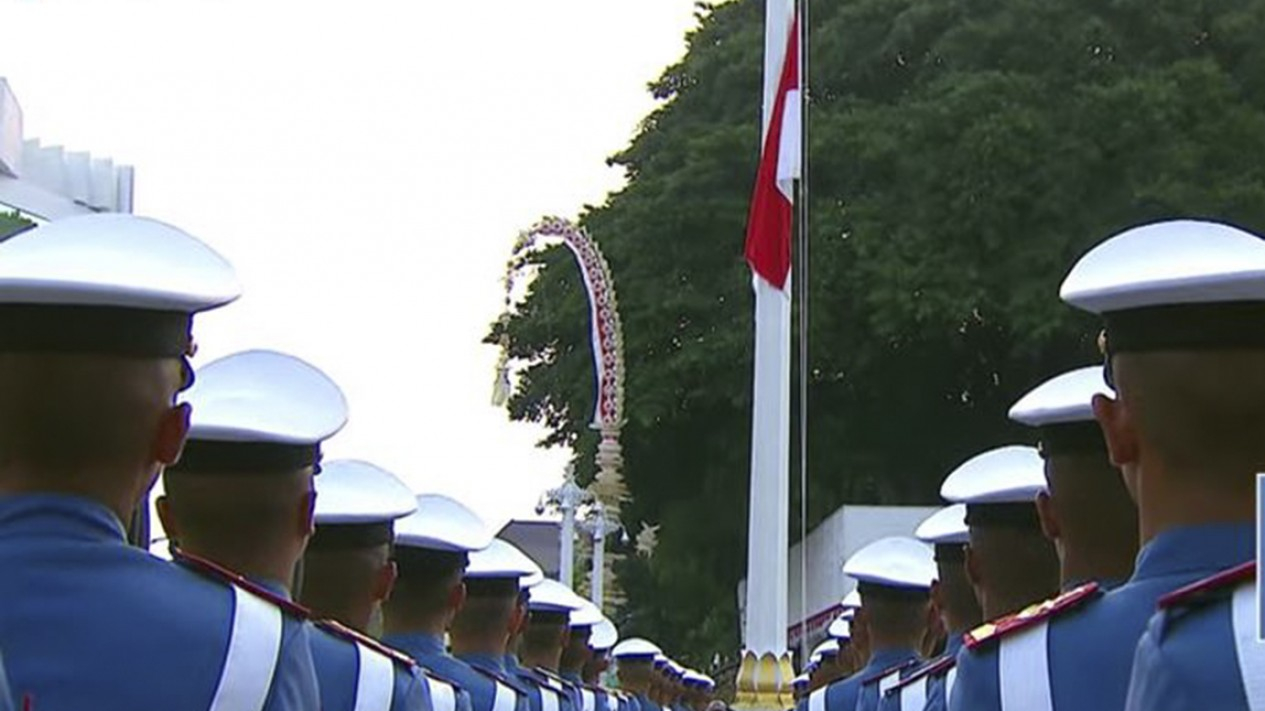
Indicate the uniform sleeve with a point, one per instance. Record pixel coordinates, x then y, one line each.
412 693
294 685
889 702
463 701
976 688
842 696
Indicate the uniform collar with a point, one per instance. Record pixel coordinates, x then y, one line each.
573 677
60 515
882 659
418 643
272 586
1196 549
511 663
954 644
487 662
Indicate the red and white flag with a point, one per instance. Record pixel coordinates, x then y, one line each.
768 247
768 251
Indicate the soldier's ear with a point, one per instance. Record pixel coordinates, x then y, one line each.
1048 517
170 525
385 583
173 429
1117 428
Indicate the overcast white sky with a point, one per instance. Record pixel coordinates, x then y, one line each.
366 166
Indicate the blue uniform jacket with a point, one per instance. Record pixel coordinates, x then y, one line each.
860 691
533 680
601 702
495 666
1091 648
6 696
429 652
338 667
1187 658
89 622
935 683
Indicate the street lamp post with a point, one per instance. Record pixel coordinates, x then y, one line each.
567 499
598 524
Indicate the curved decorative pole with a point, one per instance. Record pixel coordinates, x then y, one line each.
608 348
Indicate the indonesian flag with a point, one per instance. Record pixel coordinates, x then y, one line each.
768 247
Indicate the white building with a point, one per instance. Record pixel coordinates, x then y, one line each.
835 539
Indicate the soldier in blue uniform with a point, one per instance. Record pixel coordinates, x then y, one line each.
549 607
1086 510
699 689
432 548
634 664
602 640
96 313
576 655
481 629
1183 305
928 687
243 497
894 576
1085 639
347 573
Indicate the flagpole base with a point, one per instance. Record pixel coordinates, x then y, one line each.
764 682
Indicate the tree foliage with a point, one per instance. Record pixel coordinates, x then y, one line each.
11 222
963 153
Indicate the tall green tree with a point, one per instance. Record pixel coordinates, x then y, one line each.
963 154
12 222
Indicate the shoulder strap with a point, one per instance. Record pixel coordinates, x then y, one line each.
588 700
1251 652
1023 671
215 571
817 699
360 639
549 700
950 678
375 680
503 698
254 646
443 696
914 696
1210 587
1031 615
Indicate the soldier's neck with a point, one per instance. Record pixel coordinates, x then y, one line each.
1172 502
466 644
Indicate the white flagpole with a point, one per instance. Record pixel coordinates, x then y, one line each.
765 622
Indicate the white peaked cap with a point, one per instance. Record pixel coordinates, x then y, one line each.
351 491
801 680
944 527
552 596
636 647
1172 262
841 628
502 559
114 260
696 678
1062 399
852 600
587 616
443 524
896 561
604 636
675 668
265 396
827 648
1013 474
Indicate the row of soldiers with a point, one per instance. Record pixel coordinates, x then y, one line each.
282 568
1114 566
